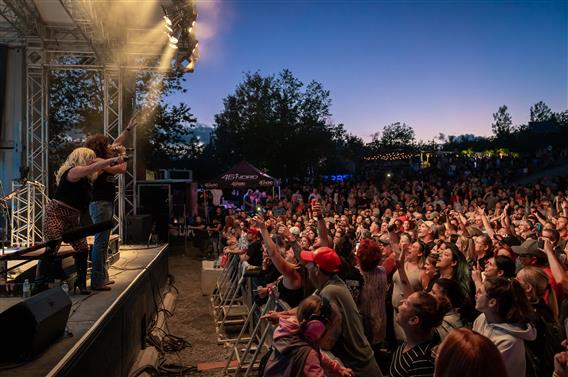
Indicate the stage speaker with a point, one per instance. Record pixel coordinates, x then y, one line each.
30 326
138 228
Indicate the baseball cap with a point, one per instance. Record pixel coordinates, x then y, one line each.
253 231
528 247
325 258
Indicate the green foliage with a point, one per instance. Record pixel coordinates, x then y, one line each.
502 126
280 124
395 136
562 119
164 139
540 112
76 110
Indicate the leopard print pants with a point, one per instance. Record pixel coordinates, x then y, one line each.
58 219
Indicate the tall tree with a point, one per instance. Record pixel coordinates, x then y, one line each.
562 118
276 122
165 140
503 122
397 136
540 112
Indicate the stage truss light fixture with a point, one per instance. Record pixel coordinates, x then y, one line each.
179 24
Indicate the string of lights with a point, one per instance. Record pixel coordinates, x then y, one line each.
400 156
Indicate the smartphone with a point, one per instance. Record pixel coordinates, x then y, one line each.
541 243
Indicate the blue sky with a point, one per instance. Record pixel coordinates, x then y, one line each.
439 66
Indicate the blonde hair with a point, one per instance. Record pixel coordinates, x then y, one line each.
78 157
540 283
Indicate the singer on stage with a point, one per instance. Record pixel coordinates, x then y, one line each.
62 213
101 207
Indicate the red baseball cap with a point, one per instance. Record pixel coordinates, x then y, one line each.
253 231
325 257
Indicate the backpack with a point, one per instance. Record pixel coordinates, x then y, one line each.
540 355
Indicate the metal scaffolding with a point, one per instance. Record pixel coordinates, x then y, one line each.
27 213
85 42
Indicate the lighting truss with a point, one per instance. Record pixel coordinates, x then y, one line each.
27 213
83 44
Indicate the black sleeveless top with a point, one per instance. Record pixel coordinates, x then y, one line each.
74 194
292 297
104 187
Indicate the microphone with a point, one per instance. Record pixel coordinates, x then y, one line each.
84 231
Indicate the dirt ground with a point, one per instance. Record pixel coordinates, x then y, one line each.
193 318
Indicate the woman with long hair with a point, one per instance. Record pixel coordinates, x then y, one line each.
291 286
62 213
505 319
101 207
548 334
455 305
453 265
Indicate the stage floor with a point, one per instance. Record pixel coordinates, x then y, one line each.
88 311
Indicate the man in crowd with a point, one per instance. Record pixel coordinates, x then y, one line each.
347 340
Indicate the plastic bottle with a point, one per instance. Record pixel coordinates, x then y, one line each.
65 287
27 289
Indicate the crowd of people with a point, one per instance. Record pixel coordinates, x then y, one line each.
418 275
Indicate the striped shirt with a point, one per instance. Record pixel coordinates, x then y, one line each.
416 362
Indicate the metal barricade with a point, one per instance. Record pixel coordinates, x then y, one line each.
260 339
233 305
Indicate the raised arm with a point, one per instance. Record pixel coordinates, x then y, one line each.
78 172
558 270
322 228
486 223
463 223
279 262
407 289
124 134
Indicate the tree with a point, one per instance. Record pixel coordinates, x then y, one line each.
562 118
540 112
164 139
503 122
278 123
397 136
76 110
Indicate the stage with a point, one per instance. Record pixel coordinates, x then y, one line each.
106 329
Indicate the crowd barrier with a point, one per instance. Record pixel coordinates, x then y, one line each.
234 308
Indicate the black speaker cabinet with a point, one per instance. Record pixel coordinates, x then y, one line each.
30 326
138 228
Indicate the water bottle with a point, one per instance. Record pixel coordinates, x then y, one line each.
65 287
27 289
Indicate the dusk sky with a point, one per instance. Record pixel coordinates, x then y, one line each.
439 66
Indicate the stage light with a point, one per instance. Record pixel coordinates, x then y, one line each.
168 21
173 39
169 29
172 45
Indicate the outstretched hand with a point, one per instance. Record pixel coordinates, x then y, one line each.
132 123
272 316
